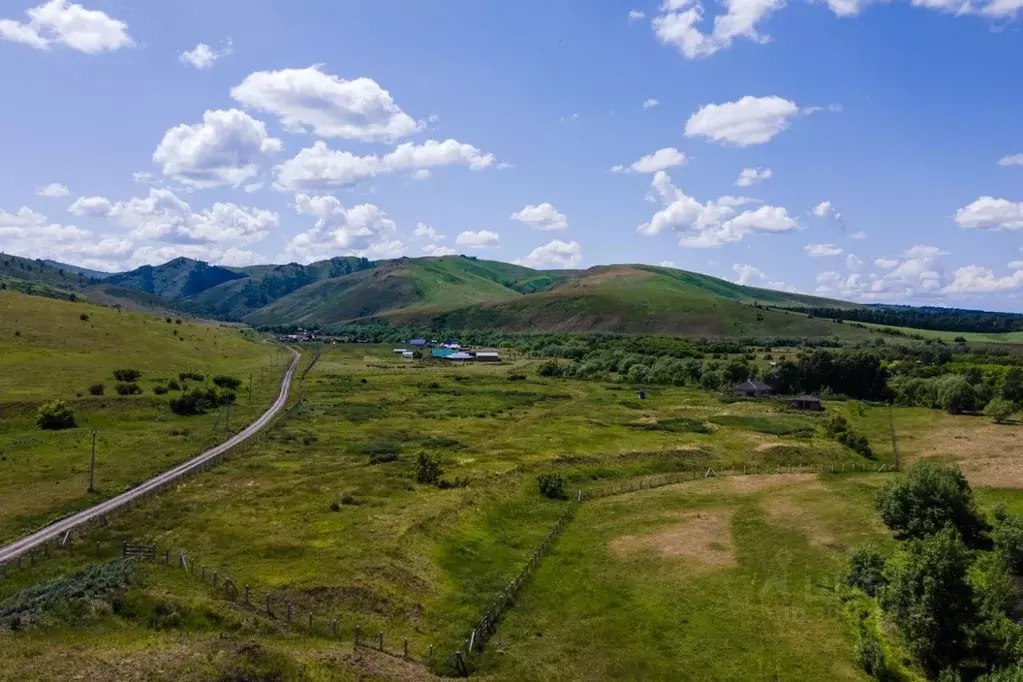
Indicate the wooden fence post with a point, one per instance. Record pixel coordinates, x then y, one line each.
246 594
357 628
381 641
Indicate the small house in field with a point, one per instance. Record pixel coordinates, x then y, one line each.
808 403
408 355
488 356
418 343
751 388
399 351
441 353
459 357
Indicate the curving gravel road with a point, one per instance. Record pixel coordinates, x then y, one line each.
59 528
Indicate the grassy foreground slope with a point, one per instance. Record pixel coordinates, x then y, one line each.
632 299
54 349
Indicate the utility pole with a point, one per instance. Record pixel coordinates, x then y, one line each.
92 464
895 441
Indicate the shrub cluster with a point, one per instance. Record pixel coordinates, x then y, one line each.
55 416
198 400
127 375
128 389
551 486
838 428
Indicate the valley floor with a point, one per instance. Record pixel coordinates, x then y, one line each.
729 578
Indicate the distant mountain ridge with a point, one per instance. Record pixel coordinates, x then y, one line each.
456 292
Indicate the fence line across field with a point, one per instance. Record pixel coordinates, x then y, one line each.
463 661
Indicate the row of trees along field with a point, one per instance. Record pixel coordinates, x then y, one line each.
948 587
940 319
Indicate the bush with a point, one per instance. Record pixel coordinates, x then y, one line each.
195 402
870 657
349 499
999 409
127 375
160 390
866 567
550 368
128 389
926 498
230 383
426 468
54 416
839 429
195 376
96 389
552 486
83 317
173 385
1007 536
335 507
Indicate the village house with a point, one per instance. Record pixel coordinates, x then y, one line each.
806 402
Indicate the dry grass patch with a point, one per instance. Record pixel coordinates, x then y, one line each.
786 511
987 454
751 483
703 538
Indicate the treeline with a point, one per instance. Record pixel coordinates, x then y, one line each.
939 319
859 375
948 587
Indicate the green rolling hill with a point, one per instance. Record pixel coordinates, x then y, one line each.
455 292
631 299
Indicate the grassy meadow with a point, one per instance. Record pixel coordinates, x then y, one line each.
54 349
732 578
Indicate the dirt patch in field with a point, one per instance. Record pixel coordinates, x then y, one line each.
703 538
987 454
753 483
787 512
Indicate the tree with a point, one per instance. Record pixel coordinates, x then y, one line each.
227 382
426 468
866 567
550 368
1007 536
926 498
551 486
929 597
96 389
999 409
1012 385
956 394
55 415
194 402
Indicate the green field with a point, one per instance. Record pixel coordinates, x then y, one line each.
730 578
48 352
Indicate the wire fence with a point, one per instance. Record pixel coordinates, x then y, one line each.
463 661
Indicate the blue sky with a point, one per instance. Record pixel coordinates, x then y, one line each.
864 150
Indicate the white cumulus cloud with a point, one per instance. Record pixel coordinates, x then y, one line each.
712 223
320 168
483 239
989 213
59 22
309 100
541 217
660 160
554 254
818 250
747 121
364 230
679 21
424 231
752 176
202 55
437 250
975 279
52 191
1012 160
650 104
224 150
636 14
